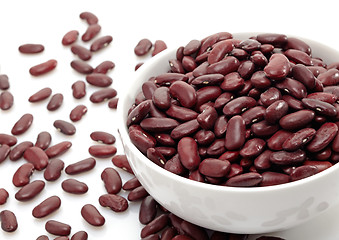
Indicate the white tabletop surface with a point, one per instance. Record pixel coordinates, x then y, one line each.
175 22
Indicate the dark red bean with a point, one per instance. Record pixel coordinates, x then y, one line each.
298 56
57 228
91 32
214 167
4 152
182 237
264 129
113 103
7 139
304 75
262 162
158 124
273 178
115 202
81 67
46 207
250 45
238 105
270 96
40 95
79 89
30 190
30 48
42 237
104 67
148 210
82 52
320 107
174 165
184 92
253 147
253 115
181 113
191 47
53 169
303 172
276 39
55 102
323 96
102 95
228 65
244 180
43 68
235 133
6 100
74 186
167 79
168 233
278 67
208 79
70 37
276 111
296 43
292 102
112 180
8 220
329 78
156 157
4 82
285 158
155 226
101 43
232 82
160 97
64 127
22 175
58 149
102 137
37 157
131 184
81 166
292 87
91 214
296 120
324 135
81 235
219 51
159 46
298 139
89 17
260 80
22 124
176 66
204 137
207 118
3 196
77 113
188 153
99 79
102 151
138 113
143 47
137 194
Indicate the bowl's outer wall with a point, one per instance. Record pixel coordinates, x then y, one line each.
226 209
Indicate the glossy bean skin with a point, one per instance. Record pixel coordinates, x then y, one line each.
323 96
219 51
37 157
102 137
208 80
155 156
40 95
181 113
55 102
235 133
104 67
296 43
70 37
276 111
244 180
30 190
278 67
320 107
262 162
253 147
214 167
74 186
102 151
22 175
64 127
154 226
304 75
89 17
153 124
101 43
298 56
324 135
275 39
175 166
99 80
143 47
161 98
298 139
6 100
18 151
81 235
103 95
264 129
137 194
81 67
238 105
43 140
114 202
43 68
166 79
4 152
288 158
148 210
91 32
225 66
207 118
159 46
188 153
274 178
81 166
138 113
77 113
57 228
232 82
254 115
78 89
112 180
7 139
303 172
296 120
206 94
330 77
53 169
185 129
83 53
194 231
46 207
4 82
292 87
31 48
122 162
91 214
270 96
8 221
184 92
58 149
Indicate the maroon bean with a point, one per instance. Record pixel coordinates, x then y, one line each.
112 180
292 87
81 235
137 194
46 207
57 228
159 46
232 82
245 180
298 56
91 214
104 67
79 89
99 79
285 158
3 196
55 102
37 157
102 95
22 124
225 66
246 69
6 100
115 202
253 115
298 139
208 79
216 148
7 139
194 231
167 79
235 133
58 149
30 48
200 70
185 129
158 124
155 226
138 113
278 67
53 169
74 186
70 37
296 120
303 172
260 80
142 140
276 111
4 82
40 95
223 99
102 151
188 153
238 105
30 190
304 75
329 78
264 129
262 162
22 175
181 113
259 59
206 94
43 68
91 31
292 102
143 47
174 165
64 127
78 112
168 233
250 45
296 43
184 92
214 167
320 107
220 126
89 17
148 210
81 67
273 178
270 96
113 103
323 96
8 220
207 118
101 43
81 166
176 66
102 137
324 154
82 52
276 39
219 51
182 237
42 237
4 152
204 137
155 156
192 47
324 135
131 184
253 147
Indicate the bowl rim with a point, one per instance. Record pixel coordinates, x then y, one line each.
123 131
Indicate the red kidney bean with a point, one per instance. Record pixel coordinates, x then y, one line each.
137 194
250 45
288 158
292 102
296 120
102 95
168 233
7 139
148 89
298 56
46 207
70 37
219 51
301 73
185 129
278 67
320 107
156 157
4 82
194 231
30 48
270 96
43 68
276 111
91 31
298 139
74 186
238 105
323 96
22 175
232 82
81 67
143 47
142 140
30 190
148 210
253 115
91 214
192 47
235 169
262 162
37 157
303 172
246 69
131 184
101 43
104 67
112 180
77 113
216 148
57 228
81 166
40 95
264 129
42 237
138 113
235 133
253 147
114 202
214 167
159 46
158 124
82 52
174 165
329 78
155 226
207 118
8 220
277 40
64 127
22 124
204 137
79 89
208 79
200 70
324 135
298 44
81 235
6 100
292 87
182 237
181 113
260 80
102 151
225 66
184 92
273 178
161 98
58 149
102 137
223 99
259 59
244 180
4 152
113 103
53 169
89 17
167 79
176 66
55 102
99 79
325 154
206 94
188 153
3 196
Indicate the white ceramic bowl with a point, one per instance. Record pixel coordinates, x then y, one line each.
229 209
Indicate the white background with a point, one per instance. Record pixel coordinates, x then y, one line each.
176 22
